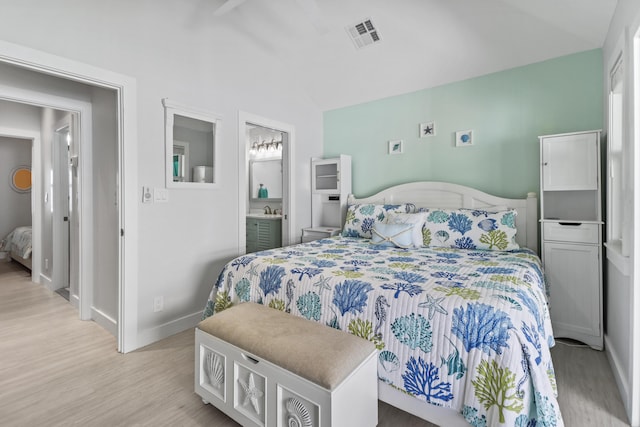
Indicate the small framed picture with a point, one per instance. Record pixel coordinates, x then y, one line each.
427 129
395 147
464 138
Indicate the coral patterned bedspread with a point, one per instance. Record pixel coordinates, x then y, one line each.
465 329
18 241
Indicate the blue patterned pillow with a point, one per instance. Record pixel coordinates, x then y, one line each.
361 218
471 229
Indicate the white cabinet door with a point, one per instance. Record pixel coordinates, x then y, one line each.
325 176
570 162
573 276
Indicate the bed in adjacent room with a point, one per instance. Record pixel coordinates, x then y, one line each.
461 322
18 245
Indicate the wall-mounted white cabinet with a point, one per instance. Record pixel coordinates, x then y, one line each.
570 205
330 187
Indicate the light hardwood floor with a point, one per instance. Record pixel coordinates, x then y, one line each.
56 370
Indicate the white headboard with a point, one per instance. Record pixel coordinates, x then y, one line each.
427 194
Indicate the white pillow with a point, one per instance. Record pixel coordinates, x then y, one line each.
416 220
392 235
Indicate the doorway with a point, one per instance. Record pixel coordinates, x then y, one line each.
40 91
265 145
63 186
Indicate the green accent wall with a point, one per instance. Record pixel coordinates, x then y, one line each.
506 110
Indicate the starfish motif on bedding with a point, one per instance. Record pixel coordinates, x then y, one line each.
251 393
252 271
433 304
322 284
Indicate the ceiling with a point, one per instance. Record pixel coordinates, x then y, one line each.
424 43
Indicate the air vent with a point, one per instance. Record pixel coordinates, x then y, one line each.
363 33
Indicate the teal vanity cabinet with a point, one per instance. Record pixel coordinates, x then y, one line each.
264 232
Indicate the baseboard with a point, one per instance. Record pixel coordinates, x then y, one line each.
46 282
105 321
167 329
75 301
618 373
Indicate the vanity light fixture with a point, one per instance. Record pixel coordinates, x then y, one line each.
270 146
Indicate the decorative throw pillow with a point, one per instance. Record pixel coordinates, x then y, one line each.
360 218
471 229
392 235
416 220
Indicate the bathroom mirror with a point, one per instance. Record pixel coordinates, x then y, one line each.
190 147
267 172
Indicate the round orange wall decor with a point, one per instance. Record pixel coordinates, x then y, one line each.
21 179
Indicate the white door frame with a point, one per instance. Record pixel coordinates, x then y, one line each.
125 88
61 240
288 203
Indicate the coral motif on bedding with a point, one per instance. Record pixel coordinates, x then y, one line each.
361 218
471 229
465 329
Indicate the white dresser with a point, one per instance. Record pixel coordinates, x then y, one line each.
570 204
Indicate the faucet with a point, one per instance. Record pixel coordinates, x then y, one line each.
267 210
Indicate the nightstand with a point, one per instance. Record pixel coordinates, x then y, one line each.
316 233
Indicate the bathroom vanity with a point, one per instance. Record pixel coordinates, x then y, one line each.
264 231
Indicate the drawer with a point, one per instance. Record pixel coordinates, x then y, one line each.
571 232
311 234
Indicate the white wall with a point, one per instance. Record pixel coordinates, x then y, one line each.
622 334
15 208
178 51
15 119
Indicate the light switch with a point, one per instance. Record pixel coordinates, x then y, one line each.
161 195
147 195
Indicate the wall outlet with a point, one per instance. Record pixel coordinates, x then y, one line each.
46 264
158 304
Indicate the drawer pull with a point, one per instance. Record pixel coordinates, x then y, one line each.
573 224
249 358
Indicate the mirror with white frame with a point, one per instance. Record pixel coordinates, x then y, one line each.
190 147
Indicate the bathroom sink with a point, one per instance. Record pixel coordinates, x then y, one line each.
264 216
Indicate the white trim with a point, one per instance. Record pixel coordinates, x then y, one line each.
61 237
618 370
615 257
157 333
125 87
172 108
105 321
633 410
46 282
288 193
75 301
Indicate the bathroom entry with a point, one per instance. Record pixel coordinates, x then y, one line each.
265 166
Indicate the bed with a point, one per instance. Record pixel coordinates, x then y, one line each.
18 245
463 332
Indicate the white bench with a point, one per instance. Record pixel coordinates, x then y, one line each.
263 367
